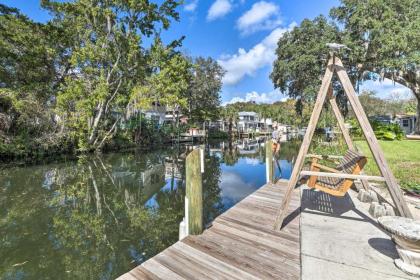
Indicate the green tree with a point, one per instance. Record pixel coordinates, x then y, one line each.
204 90
283 112
28 53
372 105
382 35
385 39
33 61
107 60
168 82
410 106
301 59
230 115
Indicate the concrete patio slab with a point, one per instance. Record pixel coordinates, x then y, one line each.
339 240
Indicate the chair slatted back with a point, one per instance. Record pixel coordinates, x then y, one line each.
349 161
352 163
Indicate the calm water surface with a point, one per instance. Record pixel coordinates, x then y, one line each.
99 217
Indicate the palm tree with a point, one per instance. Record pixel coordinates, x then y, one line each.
230 114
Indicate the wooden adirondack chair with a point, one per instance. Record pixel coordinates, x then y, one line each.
351 163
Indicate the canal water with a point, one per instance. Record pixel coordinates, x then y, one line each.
98 217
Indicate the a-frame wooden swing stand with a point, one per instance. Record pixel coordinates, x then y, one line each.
335 65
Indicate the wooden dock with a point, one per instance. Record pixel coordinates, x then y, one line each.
240 244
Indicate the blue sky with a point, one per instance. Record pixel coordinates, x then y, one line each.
242 36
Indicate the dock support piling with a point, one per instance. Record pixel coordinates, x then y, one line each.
202 147
269 166
194 191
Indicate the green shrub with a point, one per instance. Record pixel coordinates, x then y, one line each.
387 131
382 131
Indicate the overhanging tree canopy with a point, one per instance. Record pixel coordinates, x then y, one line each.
336 66
383 36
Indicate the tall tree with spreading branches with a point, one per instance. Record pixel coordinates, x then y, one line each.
384 42
204 90
301 59
108 59
384 37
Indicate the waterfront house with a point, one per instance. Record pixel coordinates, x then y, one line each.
383 119
156 112
265 125
248 121
172 114
406 122
220 124
286 132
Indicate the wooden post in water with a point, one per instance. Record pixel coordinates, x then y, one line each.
202 157
194 190
269 166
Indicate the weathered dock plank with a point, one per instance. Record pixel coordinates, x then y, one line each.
240 244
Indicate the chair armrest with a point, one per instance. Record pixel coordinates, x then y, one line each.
325 157
326 168
312 156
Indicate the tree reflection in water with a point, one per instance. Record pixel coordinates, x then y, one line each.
101 216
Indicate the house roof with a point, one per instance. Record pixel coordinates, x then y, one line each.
403 116
381 117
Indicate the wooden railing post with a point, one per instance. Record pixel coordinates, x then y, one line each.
194 193
269 166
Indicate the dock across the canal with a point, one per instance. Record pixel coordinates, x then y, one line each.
324 237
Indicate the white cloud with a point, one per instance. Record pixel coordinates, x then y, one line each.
269 97
387 89
245 62
252 161
402 93
219 9
234 188
191 6
262 16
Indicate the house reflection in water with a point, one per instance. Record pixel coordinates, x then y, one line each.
248 146
152 180
162 177
172 168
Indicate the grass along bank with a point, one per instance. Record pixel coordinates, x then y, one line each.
402 156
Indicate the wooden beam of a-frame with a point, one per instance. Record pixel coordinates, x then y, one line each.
343 128
322 94
342 175
340 119
365 183
373 143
